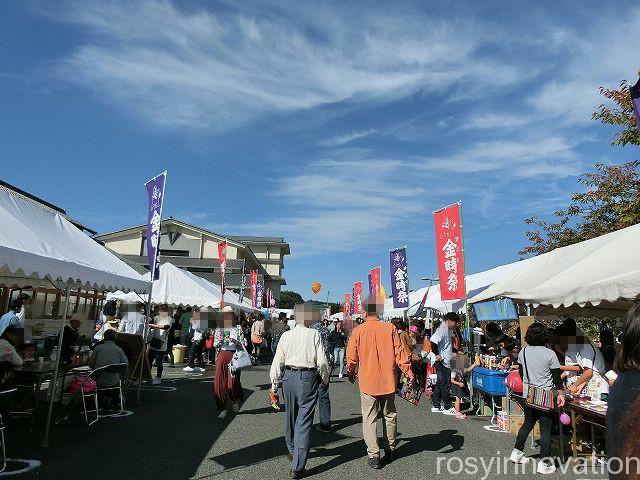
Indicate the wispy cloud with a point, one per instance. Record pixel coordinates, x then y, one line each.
493 121
216 69
344 138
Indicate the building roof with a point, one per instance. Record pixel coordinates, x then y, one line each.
237 241
46 204
250 239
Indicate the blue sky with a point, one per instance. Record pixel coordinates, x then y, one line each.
340 126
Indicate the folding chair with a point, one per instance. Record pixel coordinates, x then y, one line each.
118 368
3 394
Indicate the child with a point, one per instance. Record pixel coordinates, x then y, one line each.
459 382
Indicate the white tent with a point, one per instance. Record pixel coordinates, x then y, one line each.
180 287
37 242
476 283
603 270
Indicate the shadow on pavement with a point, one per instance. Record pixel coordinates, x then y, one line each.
172 431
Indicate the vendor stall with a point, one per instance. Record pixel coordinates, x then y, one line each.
598 278
40 247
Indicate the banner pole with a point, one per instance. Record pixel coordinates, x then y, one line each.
464 263
143 353
54 384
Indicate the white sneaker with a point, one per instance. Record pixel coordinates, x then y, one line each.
518 457
546 467
199 369
436 410
189 369
222 414
341 376
156 381
451 411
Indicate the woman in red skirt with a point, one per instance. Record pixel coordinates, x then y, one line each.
227 387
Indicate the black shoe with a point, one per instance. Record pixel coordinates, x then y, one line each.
290 457
296 473
374 462
388 456
324 428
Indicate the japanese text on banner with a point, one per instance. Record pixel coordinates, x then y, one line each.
449 253
399 277
357 298
155 193
374 281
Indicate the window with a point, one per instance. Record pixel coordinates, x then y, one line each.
174 253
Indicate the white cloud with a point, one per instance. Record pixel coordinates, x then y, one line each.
216 69
601 53
495 120
339 140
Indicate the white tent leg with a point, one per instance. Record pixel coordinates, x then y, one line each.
55 372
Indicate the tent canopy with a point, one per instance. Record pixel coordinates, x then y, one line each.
180 287
37 242
601 271
476 283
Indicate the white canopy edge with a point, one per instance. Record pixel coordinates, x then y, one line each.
38 243
603 270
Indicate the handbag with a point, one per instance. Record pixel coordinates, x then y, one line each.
540 398
156 343
257 339
241 359
409 391
88 385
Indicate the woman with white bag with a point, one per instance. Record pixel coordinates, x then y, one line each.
226 384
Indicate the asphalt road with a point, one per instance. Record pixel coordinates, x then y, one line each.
175 434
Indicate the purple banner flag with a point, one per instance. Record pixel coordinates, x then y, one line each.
155 191
370 286
399 277
635 100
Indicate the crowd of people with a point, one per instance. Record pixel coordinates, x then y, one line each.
553 363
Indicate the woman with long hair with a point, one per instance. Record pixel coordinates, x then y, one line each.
227 387
623 412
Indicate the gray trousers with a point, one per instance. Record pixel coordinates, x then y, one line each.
300 395
324 404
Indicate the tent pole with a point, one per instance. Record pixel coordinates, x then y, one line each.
144 336
57 368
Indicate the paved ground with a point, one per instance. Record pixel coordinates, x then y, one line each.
175 434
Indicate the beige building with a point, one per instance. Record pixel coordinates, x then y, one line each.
196 249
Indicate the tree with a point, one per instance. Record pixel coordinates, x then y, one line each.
288 299
621 114
612 197
611 202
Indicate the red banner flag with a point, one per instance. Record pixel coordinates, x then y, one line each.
346 307
449 251
357 298
222 260
374 274
253 282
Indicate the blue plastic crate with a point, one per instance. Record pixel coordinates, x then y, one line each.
489 381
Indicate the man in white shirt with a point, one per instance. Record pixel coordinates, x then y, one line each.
133 319
441 346
301 365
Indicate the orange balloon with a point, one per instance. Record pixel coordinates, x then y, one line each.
315 287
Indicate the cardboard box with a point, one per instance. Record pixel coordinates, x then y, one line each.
516 421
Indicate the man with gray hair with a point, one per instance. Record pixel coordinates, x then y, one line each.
373 352
301 365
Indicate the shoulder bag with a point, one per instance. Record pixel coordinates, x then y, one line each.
540 398
241 359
